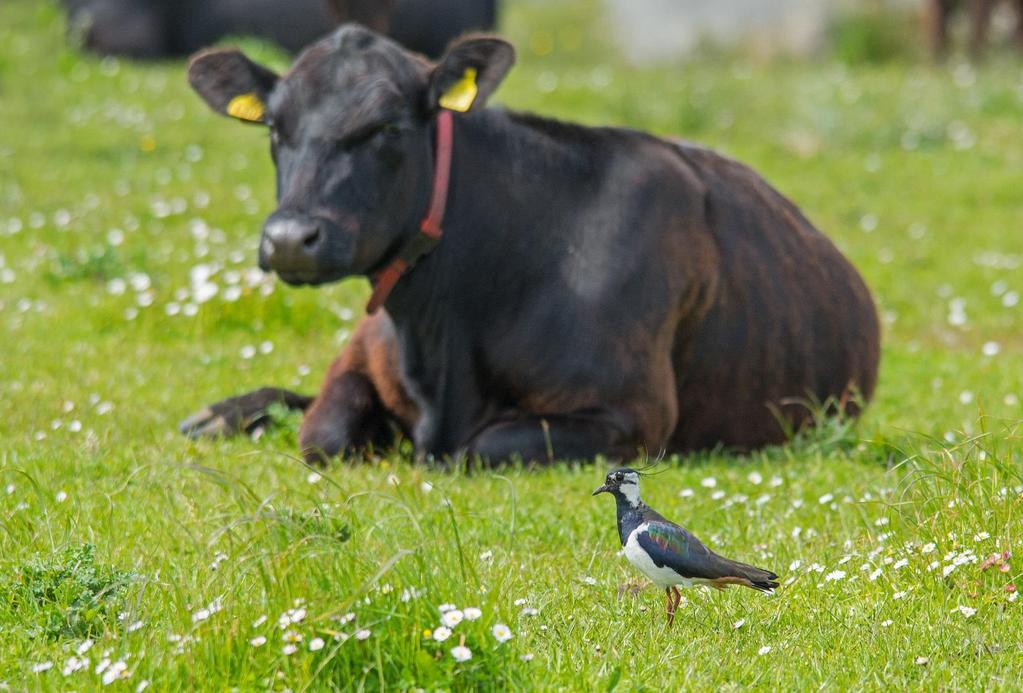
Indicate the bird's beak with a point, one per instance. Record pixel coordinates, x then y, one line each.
602 489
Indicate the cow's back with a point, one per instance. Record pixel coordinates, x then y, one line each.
790 321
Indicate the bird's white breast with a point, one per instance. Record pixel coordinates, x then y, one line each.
661 576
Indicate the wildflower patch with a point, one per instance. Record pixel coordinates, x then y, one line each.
67 596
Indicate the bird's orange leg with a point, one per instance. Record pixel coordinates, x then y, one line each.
670 603
678 599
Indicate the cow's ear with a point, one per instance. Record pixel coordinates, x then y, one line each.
232 84
470 71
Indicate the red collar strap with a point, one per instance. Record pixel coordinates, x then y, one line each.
430 230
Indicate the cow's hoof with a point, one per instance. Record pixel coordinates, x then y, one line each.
205 424
248 413
223 422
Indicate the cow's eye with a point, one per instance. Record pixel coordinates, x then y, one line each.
373 133
387 131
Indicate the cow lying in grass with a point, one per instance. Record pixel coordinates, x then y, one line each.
594 291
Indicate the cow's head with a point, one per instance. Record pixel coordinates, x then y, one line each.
351 136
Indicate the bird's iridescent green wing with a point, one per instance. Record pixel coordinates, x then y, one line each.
669 538
668 545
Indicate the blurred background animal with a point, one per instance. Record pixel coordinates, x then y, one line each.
940 14
153 29
428 26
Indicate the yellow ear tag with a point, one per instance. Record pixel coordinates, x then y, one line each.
246 107
461 94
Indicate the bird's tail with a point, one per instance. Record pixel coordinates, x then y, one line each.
736 573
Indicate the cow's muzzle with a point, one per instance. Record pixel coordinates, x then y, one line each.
295 247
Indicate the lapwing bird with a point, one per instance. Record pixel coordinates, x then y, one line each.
668 554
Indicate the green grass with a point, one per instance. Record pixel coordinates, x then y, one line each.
115 183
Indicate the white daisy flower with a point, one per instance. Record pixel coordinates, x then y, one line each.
440 633
501 632
472 613
452 618
461 653
117 670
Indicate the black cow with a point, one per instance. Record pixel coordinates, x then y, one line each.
595 290
167 28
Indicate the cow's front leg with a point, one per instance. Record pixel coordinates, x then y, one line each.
242 414
347 417
363 401
548 438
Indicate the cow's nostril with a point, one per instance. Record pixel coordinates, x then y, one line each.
312 240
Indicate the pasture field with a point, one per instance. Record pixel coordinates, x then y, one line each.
130 556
